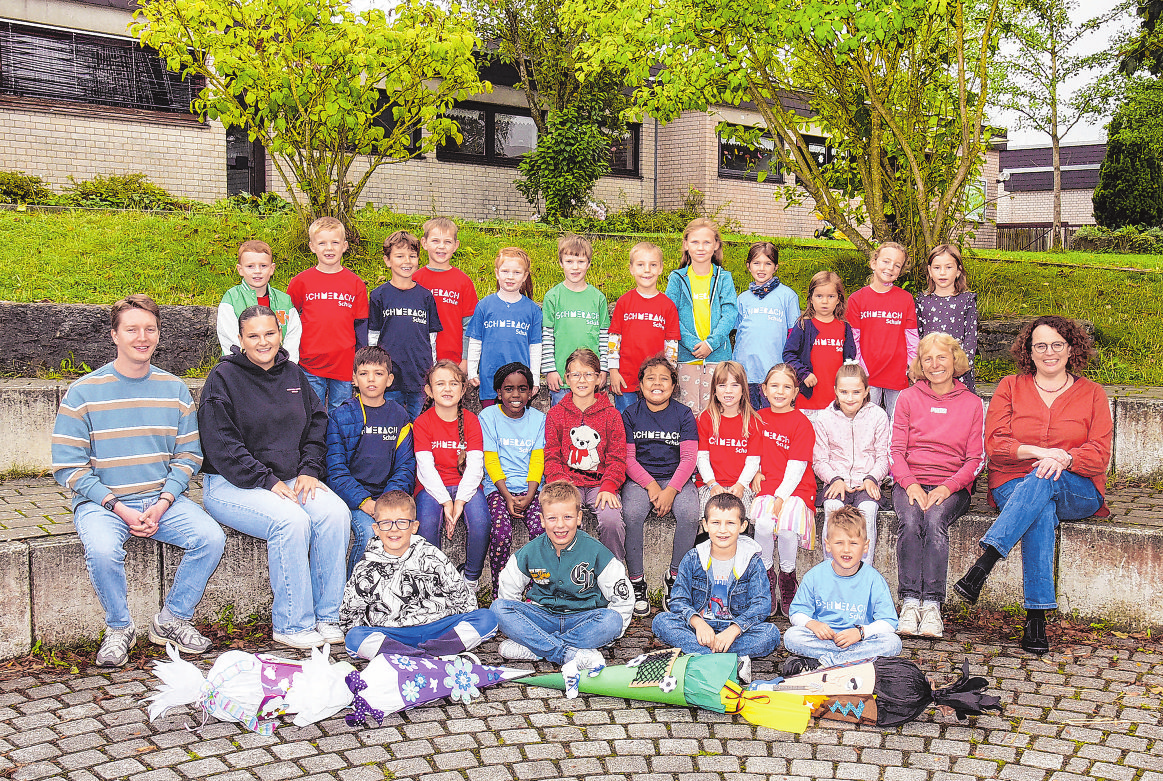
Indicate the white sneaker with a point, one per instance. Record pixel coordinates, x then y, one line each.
589 659
931 623
331 633
511 649
910 618
473 585
304 641
745 669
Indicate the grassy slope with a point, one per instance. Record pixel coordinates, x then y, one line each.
96 257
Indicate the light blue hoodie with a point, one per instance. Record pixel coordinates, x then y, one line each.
724 313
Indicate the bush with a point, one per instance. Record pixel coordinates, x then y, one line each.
126 191
1127 239
1130 183
267 203
635 218
19 187
565 166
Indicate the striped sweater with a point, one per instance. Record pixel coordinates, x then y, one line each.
135 438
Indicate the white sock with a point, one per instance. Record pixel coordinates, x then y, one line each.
165 616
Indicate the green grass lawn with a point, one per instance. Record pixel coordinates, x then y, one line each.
97 257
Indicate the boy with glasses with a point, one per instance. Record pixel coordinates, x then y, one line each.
407 593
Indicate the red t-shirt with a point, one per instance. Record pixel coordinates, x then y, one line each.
787 436
827 357
882 319
645 324
430 433
729 450
456 299
329 305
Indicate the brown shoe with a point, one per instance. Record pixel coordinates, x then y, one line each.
787 590
774 591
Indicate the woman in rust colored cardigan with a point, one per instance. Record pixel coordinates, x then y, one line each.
1048 438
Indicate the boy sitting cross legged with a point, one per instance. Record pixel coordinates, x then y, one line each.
580 598
720 600
843 610
407 591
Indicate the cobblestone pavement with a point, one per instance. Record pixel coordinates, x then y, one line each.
1081 712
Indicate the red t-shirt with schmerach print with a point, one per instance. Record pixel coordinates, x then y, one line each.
442 439
645 325
456 299
787 436
883 319
729 450
329 305
827 357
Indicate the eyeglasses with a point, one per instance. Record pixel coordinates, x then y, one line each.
1055 347
582 376
398 523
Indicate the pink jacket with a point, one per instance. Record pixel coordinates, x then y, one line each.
851 449
937 440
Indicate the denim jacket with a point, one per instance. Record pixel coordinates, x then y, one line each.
724 313
750 596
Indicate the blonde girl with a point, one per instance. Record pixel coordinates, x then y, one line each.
704 294
784 509
730 439
450 464
851 453
948 306
506 326
819 343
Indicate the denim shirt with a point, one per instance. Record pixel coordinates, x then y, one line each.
750 596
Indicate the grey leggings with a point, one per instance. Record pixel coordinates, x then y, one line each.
636 506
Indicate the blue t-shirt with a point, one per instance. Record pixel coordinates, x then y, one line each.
401 321
762 329
844 602
376 449
656 436
514 442
505 331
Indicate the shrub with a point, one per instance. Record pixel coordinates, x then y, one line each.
120 191
19 187
1130 183
1127 239
635 218
569 159
267 203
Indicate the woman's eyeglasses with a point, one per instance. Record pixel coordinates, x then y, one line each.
1055 347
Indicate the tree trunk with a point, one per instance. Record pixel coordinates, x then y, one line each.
1056 239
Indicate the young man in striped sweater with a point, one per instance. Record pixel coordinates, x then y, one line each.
126 444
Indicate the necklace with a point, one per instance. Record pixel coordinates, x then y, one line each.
1047 390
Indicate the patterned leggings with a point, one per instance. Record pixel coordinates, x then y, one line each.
501 534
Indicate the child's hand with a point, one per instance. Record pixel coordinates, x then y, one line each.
652 491
776 507
724 639
602 377
737 489
704 635
756 483
810 381
835 490
871 487
665 501
617 384
701 351
847 638
452 510
938 495
716 489
474 381
553 380
513 505
821 630
607 499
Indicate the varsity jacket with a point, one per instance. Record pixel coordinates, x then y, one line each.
241 296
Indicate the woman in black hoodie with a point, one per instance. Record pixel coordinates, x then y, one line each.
263 439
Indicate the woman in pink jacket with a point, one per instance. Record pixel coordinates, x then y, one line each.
851 452
938 448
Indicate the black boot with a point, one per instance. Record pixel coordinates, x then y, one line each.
1034 639
969 587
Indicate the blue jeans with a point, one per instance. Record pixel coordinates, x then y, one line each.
332 392
755 392
623 402
555 397
450 635
430 513
885 397
556 637
758 641
306 547
1031 507
802 641
362 531
185 524
412 401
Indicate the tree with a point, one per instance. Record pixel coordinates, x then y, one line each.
896 86
1130 183
1029 78
545 49
320 86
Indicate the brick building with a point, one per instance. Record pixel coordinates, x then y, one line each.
1026 197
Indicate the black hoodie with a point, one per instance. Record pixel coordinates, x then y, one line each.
260 427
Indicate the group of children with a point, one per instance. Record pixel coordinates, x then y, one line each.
688 428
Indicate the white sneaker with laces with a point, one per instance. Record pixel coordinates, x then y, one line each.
745 669
511 649
114 650
931 623
304 641
331 633
589 659
910 618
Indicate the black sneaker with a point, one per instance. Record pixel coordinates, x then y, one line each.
798 664
969 587
667 583
641 602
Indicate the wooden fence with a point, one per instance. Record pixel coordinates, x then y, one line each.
1033 239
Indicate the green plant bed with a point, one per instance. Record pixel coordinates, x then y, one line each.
88 256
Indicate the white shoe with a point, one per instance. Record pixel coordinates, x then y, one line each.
304 641
931 623
473 585
511 649
370 646
589 659
331 633
745 669
910 618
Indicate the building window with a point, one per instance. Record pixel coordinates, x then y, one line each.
739 161
38 62
818 146
624 152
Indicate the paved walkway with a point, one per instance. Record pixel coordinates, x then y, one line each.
1082 712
